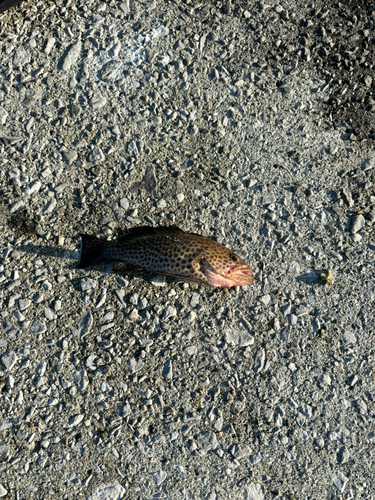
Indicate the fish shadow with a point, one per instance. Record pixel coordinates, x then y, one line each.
50 251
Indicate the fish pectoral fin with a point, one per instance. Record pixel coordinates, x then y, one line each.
196 261
124 268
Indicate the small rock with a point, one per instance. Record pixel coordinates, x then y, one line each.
111 491
112 70
167 370
49 314
96 155
339 480
207 440
3 116
253 492
320 443
259 360
195 299
133 315
41 368
358 223
219 424
324 379
161 203
3 491
4 450
37 327
49 46
268 199
70 156
72 56
80 379
349 337
238 337
24 304
87 284
344 404
368 81
343 455
180 197
191 317
124 203
21 58
132 148
158 281
193 130
148 183
294 269
160 31
192 350
240 451
266 299
170 312
50 207
256 458
348 196
159 477
98 101
352 380
90 362
9 359
83 326
34 187
135 366
16 207
125 7
75 420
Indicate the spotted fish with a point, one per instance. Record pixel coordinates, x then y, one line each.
168 251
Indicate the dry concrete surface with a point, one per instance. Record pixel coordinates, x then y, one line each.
248 122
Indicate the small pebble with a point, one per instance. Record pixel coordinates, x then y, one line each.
9 359
161 204
358 223
72 56
3 116
97 155
70 156
49 45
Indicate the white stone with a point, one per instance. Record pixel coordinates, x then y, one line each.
3 116
159 477
75 420
339 480
161 203
253 492
9 359
112 491
72 56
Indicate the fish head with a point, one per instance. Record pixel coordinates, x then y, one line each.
222 267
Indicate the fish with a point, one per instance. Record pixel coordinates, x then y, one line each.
169 251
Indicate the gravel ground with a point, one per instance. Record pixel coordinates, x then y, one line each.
247 122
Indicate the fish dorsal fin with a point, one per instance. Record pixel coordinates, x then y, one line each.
136 232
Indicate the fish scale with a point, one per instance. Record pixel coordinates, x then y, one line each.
169 251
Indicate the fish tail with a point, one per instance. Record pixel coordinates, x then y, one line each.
94 250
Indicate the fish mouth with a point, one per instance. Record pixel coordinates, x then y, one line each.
239 276
240 271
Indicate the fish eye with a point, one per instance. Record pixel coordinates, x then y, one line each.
234 258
